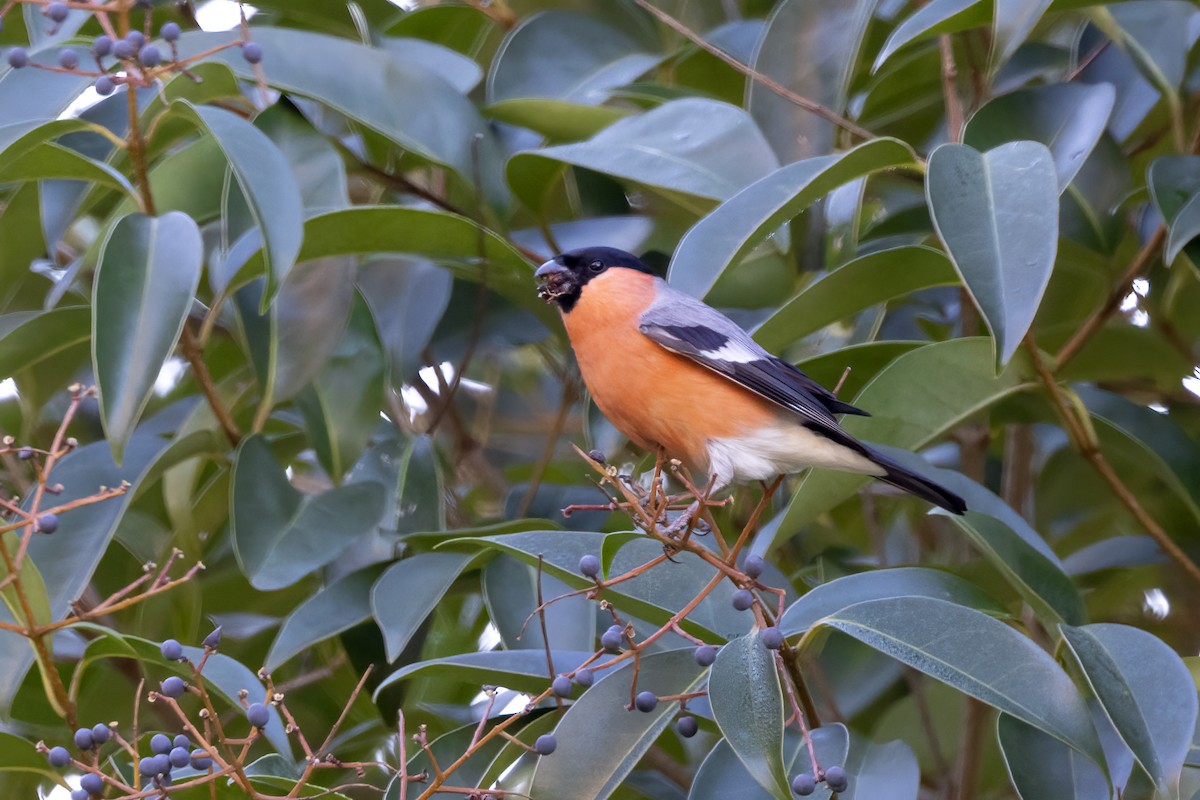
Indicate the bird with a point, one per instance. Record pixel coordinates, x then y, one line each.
675 375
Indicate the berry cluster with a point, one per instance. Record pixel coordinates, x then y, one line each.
136 58
835 779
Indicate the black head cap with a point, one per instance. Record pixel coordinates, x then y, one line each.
562 278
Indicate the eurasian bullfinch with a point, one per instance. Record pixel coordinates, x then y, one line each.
673 373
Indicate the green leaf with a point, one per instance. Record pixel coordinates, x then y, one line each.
341 405
1043 768
148 271
335 608
747 703
997 213
265 181
867 280
424 115
1069 118
28 337
720 240
932 19
832 597
408 591
510 592
1174 183
280 535
21 137
587 765
811 47
456 69
1041 582
1012 22
1146 691
521 670
722 775
565 55
1171 453
19 755
649 596
887 771
316 165
55 162
407 298
558 120
688 148
979 656
914 400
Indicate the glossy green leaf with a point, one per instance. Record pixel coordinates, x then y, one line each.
565 55
932 19
1157 35
335 608
1173 455
280 535
811 47
1069 118
1146 691
1012 22
979 656
265 181
1043 768
557 120
317 167
887 771
28 337
407 298
866 281
408 591
425 114
1174 183
747 703
832 597
914 400
455 68
55 162
19 755
997 213
510 592
723 238
522 670
341 405
587 765
691 147
148 271
1041 582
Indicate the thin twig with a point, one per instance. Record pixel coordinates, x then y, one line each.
824 112
954 108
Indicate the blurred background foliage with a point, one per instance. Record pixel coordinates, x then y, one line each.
304 292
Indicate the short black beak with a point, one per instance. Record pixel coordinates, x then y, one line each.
551 267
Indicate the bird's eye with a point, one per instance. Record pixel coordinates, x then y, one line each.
596 266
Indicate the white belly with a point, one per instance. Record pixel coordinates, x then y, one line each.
783 448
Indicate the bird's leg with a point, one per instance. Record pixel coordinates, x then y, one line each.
690 520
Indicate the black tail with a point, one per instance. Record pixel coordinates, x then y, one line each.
918 485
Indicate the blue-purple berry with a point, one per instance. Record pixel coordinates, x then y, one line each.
646 701
836 780
589 566
804 784
561 686
772 638
160 743
105 86
753 565
102 46
59 756
100 733
171 649
25 453
213 640
181 740
57 11
79 794
91 783
150 56
612 638
179 757
123 49
47 523
136 39
258 715
545 744
173 687
705 655
84 740
18 57
687 726
252 52
170 32
200 760
743 599
585 677
68 58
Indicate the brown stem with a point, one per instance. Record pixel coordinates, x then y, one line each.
954 107
189 346
1141 262
1091 452
556 429
812 106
